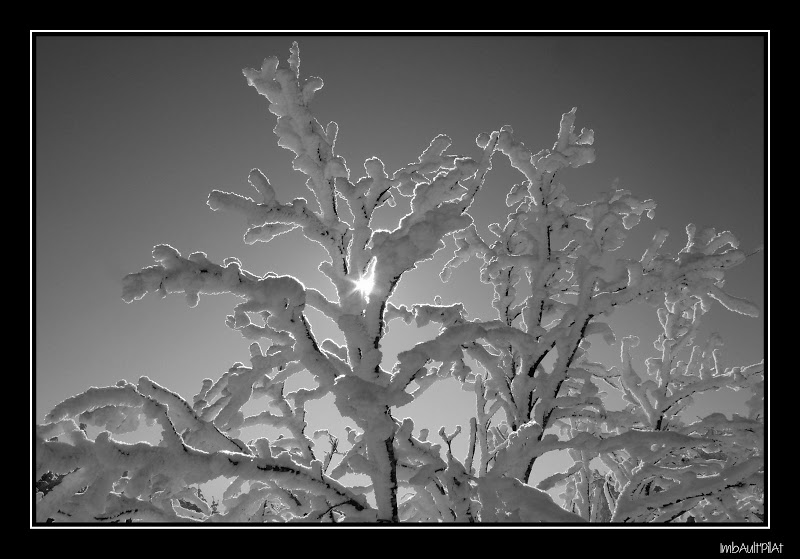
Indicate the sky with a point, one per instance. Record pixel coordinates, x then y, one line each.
131 134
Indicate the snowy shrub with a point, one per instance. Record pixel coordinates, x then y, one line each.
555 276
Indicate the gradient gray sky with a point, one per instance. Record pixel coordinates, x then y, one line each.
133 132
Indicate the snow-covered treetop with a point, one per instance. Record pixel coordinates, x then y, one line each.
556 271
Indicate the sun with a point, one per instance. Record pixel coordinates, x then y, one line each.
366 282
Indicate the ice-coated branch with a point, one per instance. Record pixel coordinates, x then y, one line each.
298 130
281 299
188 467
688 491
103 462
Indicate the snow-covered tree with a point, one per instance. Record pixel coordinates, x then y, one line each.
557 276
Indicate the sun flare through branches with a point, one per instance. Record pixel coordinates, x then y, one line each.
366 282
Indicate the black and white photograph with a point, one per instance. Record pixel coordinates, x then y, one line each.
375 279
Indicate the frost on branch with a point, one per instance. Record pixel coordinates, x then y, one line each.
556 271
